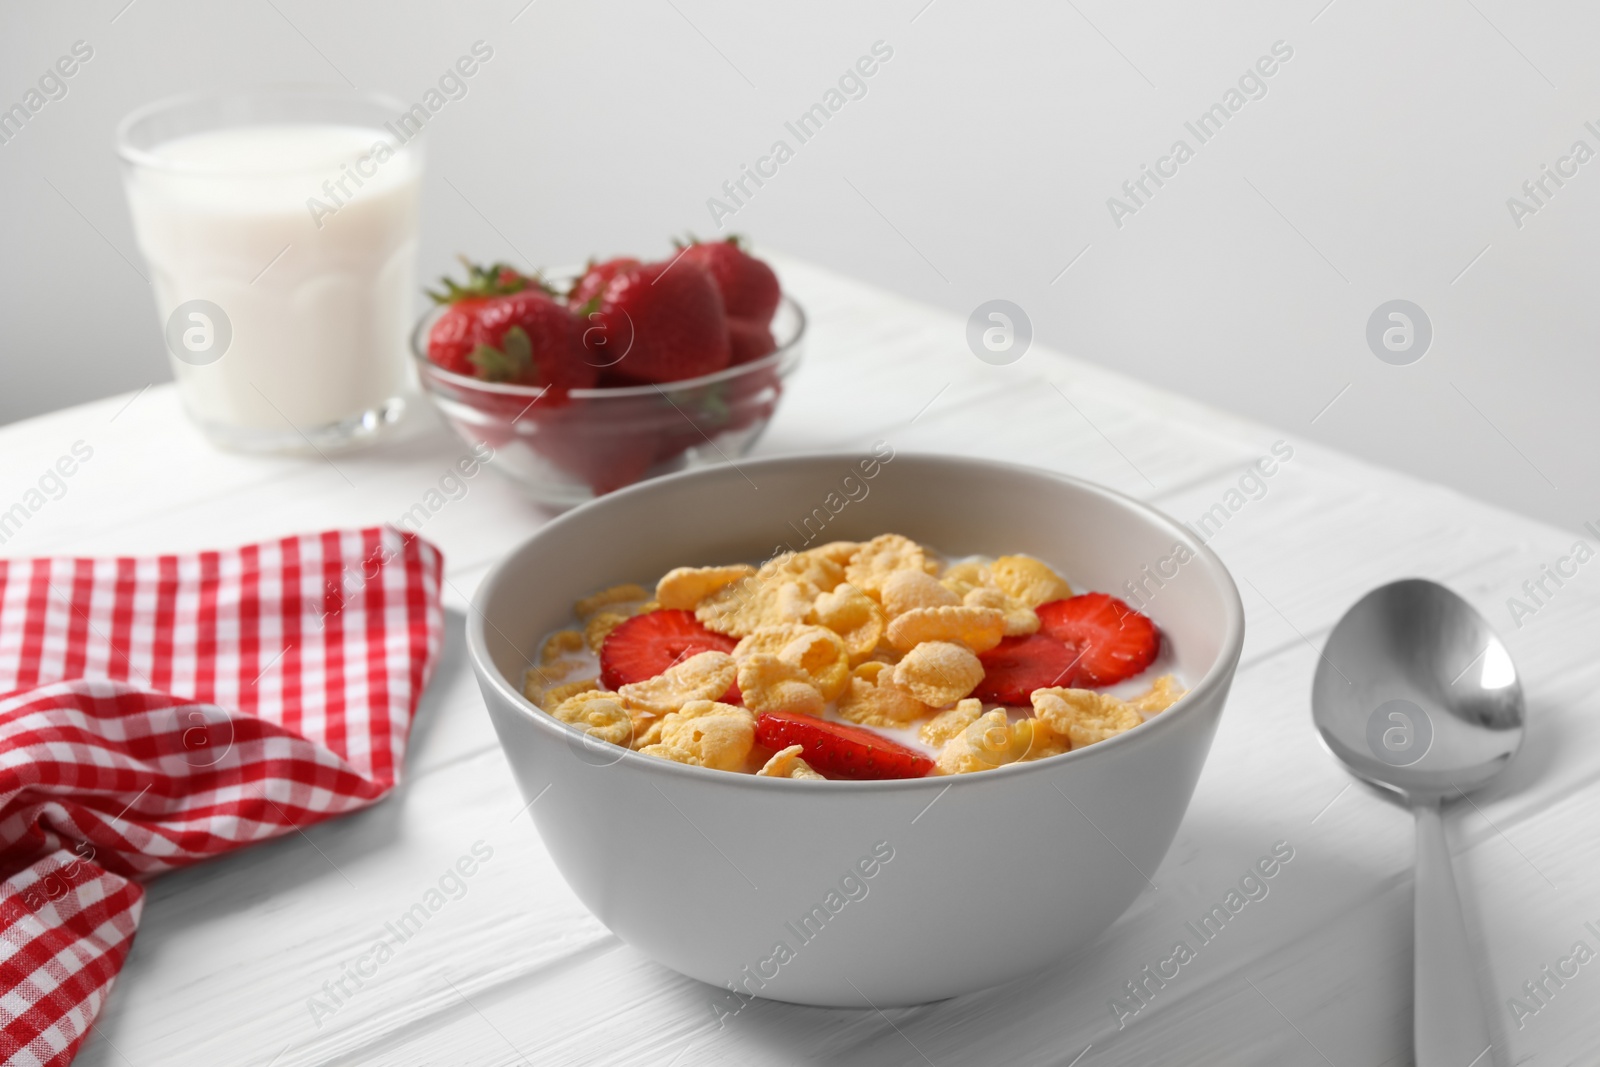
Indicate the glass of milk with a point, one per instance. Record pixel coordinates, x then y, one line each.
280 228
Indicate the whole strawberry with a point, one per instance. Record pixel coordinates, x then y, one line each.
748 286
501 326
749 340
659 322
455 332
595 277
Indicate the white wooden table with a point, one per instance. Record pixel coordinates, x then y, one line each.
516 971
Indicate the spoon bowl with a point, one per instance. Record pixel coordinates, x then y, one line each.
1416 693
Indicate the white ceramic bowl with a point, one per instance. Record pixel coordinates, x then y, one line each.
989 876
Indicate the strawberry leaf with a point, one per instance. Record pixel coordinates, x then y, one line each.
507 363
497 279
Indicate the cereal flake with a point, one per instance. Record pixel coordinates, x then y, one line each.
719 735
939 672
1083 716
1019 618
788 764
980 629
558 694
874 698
990 741
816 650
855 617
560 643
597 714
1028 581
948 723
703 676
599 627
670 752
1163 693
772 684
782 590
907 589
683 588
605 598
875 561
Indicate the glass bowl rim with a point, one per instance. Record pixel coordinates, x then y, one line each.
428 369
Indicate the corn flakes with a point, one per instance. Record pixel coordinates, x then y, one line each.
962 578
771 684
559 693
703 676
598 714
874 698
535 679
788 764
1046 742
682 588
673 753
905 590
837 552
816 650
782 590
876 633
1164 692
605 598
939 672
881 557
599 627
1027 581
808 567
559 644
991 741
1083 716
950 722
1020 619
854 616
646 729
718 735
980 629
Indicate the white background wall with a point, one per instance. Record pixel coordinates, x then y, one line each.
978 165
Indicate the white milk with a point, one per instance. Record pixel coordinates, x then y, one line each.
318 297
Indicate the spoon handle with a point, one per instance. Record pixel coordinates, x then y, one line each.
1448 1024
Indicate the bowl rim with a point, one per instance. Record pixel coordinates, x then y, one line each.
1218 677
782 356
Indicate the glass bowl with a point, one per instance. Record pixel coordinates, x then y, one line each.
567 452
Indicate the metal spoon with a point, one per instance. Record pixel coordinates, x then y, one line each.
1416 693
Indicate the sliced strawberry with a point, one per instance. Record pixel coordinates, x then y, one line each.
645 645
839 750
1017 666
1116 641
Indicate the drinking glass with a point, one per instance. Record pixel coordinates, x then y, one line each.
280 230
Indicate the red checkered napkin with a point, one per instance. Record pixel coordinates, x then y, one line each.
157 712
